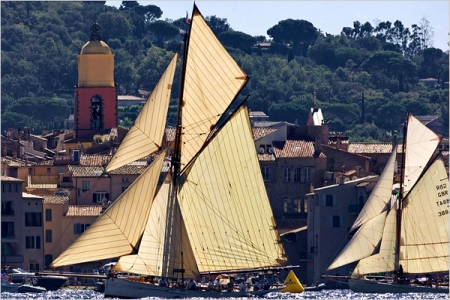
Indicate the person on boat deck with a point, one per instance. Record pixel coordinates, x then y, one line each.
400 271
257 286
266 284
192 285
249 281
210 285
230 285
217 284
162 282
242 286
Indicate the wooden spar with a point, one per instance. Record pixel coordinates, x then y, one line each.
98 276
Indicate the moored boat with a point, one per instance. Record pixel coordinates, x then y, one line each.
49 282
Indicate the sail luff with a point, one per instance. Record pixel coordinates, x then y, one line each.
381 193
118 230
146 134
213 80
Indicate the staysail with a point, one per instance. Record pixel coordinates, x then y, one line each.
424 239
224 203
118 230
212 81
381 193
146 135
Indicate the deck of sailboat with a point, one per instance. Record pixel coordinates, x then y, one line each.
376 286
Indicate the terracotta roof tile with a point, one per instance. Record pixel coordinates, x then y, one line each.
45 163
16 162
86 171
84 211
372 148
54 199
137 167
7 178
262 132
266 157
294 148
94 160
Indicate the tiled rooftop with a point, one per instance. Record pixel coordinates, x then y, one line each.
295 148
7 178
16 162
372 148
54 199
262 132
94 160
86 171
26 195
84 211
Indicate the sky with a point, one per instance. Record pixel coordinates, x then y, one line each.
256 17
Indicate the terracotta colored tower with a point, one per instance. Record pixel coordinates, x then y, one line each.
96 94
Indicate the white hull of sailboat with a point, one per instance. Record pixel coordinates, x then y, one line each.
123 288
373 286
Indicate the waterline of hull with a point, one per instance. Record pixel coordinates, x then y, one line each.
372 286
122 288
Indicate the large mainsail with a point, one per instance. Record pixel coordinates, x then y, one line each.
421 144
212 81
224 203
146 135
424 246
118 230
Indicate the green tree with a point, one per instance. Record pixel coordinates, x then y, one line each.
163 31
114 25
298 33
237 39
218 25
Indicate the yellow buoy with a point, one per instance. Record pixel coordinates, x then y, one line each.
292 284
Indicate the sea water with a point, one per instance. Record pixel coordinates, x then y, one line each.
324 294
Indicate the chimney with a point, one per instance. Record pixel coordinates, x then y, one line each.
358 171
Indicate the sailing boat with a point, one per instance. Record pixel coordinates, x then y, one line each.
211 213
407 231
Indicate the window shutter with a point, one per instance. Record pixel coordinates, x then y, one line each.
107 196
94 197
324 200
334 200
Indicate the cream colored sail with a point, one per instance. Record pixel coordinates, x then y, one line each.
425 223
421 143
146 135
118 230
383 261
363 243
381 193
212 81
149 259
224 203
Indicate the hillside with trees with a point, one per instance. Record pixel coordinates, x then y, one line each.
365 79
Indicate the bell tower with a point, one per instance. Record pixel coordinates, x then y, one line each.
95 96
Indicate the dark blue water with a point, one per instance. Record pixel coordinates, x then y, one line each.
324 294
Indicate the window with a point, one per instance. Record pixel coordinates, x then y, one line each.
48 215
17 187
336 221
297 174
329 200
124 188
287 205
38 242
125 180
100 197
85 185
306 174
34 267
66 179
33 219
297 206
4 188
49 170
48 258
80 228
287 174
8 229
96 112
48 236
29 242
7 208
265 173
